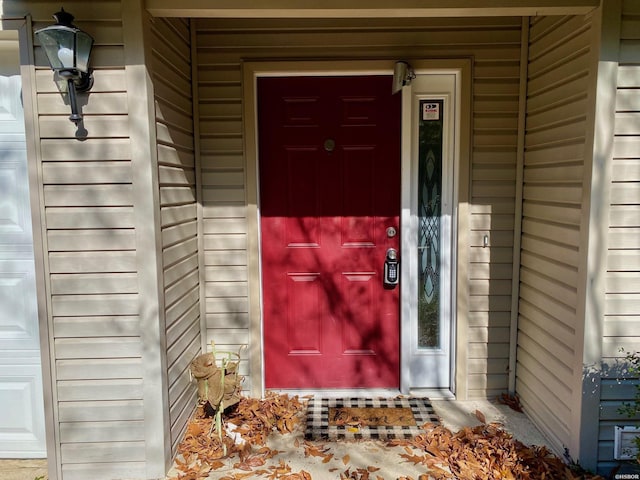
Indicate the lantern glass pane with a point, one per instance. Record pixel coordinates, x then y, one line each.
58 44
84 42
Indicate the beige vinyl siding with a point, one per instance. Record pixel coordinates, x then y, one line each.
224 224
223 202
171 76
494 44
493 174
622 298
548 345
91 263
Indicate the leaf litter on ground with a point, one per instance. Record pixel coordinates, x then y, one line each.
202 448
483 452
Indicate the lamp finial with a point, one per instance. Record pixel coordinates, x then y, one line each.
63 18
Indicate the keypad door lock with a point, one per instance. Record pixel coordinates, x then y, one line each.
391 268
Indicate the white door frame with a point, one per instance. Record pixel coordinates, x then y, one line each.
251 72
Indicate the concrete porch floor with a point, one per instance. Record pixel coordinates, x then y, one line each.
453 414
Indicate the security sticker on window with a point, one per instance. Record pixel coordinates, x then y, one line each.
430 111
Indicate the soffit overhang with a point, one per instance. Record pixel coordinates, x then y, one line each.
365 9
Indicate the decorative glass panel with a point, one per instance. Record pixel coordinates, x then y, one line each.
429 227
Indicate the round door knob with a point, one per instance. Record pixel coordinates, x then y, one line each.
329 145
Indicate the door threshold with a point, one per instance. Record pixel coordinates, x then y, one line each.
340 392
433 393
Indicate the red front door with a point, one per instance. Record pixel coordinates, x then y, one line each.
329 150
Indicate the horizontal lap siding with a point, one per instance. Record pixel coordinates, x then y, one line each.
171 74
494 43
223 197
493 173
622 307
558 76
88 215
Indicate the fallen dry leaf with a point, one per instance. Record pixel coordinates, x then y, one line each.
480 416
346 459
250 463
513 401
359 474
237 476
415 459
312 450
302 475
279 471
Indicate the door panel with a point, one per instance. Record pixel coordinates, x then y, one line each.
359 289
22 413
305 296
303 221
329 150
22 426
18 331
358 225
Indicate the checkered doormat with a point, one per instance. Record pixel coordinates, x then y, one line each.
318 427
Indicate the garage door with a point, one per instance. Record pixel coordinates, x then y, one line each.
22 413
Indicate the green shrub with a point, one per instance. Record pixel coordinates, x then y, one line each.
632 409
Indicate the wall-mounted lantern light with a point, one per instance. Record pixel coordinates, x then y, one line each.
68 49
402 75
